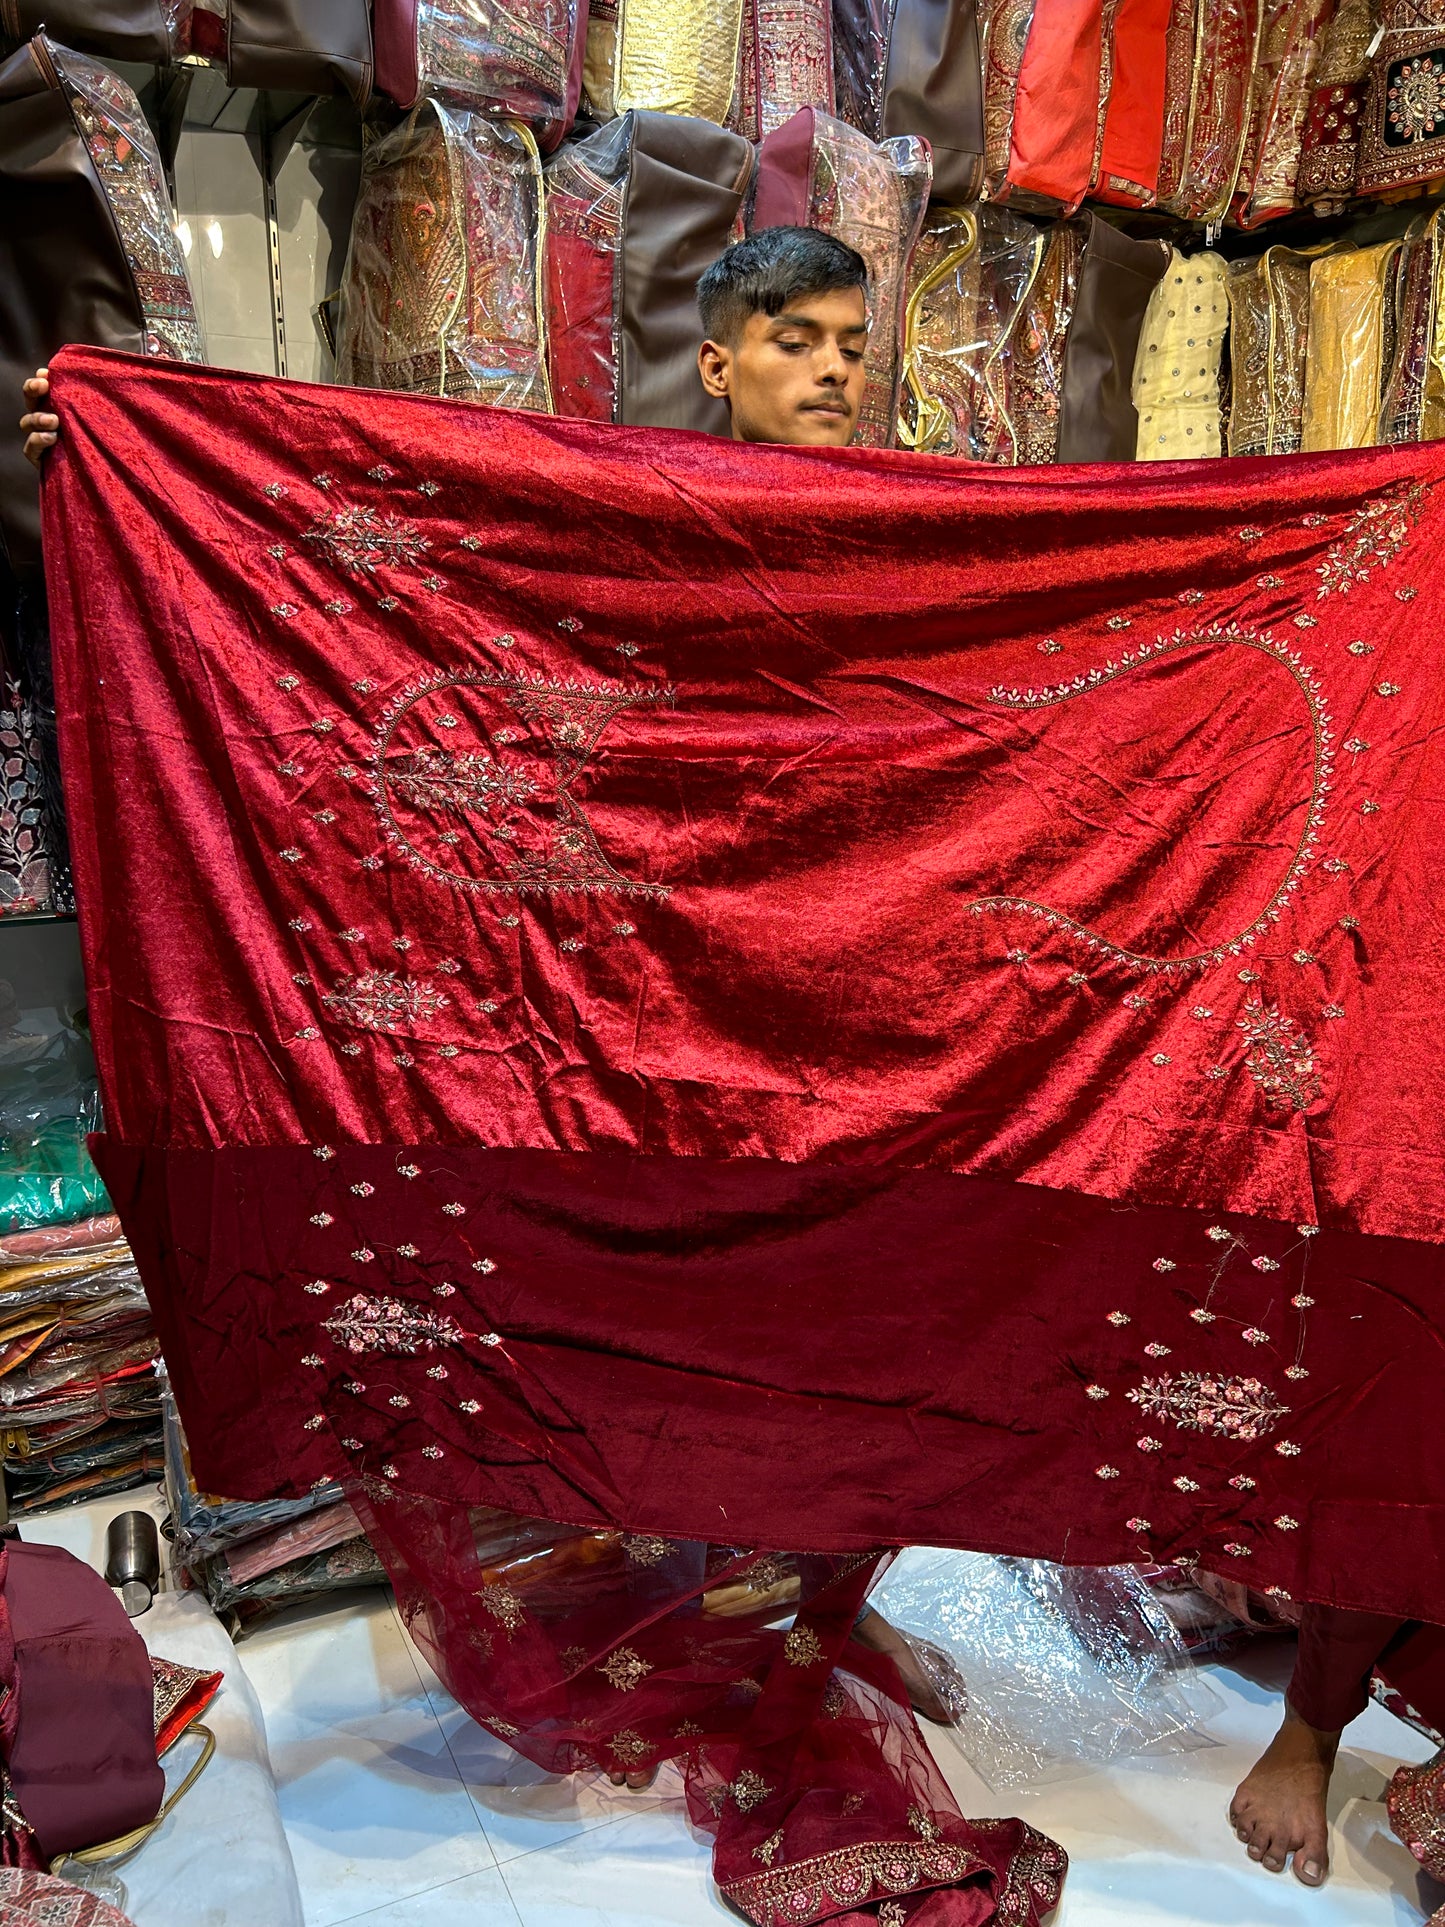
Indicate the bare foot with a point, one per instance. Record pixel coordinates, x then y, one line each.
935 1689
1279 1809
636 1781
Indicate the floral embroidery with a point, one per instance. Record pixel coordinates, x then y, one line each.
628 1747
803 1891
802 1647
423 781
382 1000
1281 1058
504 1606
643 1548
1372 538
1035 1877
769 1849
1138 1525
1231 1408
1323 759
388 1325
624 1669
1164 1264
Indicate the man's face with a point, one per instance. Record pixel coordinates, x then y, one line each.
796 377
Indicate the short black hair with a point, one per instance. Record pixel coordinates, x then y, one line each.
762 274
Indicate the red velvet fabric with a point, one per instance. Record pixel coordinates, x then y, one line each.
752 959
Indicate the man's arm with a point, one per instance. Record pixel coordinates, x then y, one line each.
40 429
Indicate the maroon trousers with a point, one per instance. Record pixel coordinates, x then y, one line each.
1339 1650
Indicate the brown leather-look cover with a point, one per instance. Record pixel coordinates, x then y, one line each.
933 86
301 46
114 29
1097 419
684 189
63 272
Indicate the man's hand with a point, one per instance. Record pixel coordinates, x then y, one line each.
41 430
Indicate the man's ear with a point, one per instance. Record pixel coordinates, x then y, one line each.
714 364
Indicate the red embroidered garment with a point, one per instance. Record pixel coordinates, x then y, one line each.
624 964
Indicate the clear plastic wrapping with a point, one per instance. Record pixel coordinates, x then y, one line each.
873 196
970 282
678 56
1344 362
1269 311
49 1103
126 159
113 1457
1003 35
442 289
599 63
586 186
1060 1665
1212 127
1176 371
25 827
860 62
1330 143
508 60
793 59
1279 101
1412 407
1038 342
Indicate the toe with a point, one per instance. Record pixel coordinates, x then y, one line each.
1312 1857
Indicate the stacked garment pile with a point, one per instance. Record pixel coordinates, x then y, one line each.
251 1558
79 1414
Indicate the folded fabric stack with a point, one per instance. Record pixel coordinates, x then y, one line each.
252 1557
78 1409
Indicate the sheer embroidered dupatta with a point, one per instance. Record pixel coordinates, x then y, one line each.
602 1650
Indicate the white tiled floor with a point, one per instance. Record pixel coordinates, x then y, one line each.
402 1813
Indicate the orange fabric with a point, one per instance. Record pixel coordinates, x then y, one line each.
1134 119
1056 111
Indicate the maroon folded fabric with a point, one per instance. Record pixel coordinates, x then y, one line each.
77 1722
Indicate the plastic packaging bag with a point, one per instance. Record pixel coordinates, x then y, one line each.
125 157
969 284
1061 1665
1269 315
48 1105
516 61
442 289
678 56
815 171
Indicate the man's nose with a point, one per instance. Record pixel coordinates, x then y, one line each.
831 367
